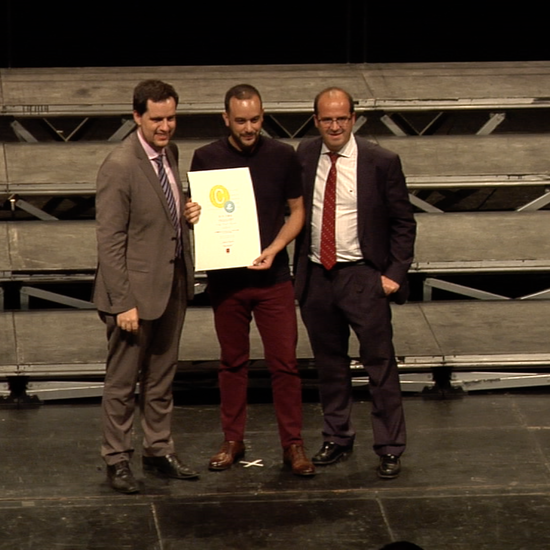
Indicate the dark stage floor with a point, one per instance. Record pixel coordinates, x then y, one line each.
476 476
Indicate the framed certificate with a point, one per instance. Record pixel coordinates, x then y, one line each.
227 233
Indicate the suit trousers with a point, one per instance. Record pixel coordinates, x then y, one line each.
149 357
275 315
335 300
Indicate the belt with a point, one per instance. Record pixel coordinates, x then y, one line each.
342 265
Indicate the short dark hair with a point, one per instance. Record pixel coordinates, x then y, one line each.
332 89
155 90
241 91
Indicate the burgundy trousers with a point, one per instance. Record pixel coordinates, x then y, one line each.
275 315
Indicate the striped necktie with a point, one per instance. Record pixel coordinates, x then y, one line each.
328 223
165 184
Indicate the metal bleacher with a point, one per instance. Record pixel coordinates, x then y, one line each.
390 88
490 332
431 162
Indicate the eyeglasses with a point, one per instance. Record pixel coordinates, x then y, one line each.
341 121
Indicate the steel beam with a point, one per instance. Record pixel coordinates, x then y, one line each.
495 120
27 291
455 288
22 133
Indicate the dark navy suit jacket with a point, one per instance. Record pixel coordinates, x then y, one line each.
386 224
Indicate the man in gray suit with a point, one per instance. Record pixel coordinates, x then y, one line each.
144 278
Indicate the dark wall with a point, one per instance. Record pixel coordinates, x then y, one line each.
176 33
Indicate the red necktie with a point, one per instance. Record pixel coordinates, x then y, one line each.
328 226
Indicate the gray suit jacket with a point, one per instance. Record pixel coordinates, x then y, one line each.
386 224
135 236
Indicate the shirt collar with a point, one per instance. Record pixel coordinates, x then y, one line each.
347 150
149 151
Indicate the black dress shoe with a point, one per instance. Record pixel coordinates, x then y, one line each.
121 479
168 465
330 453
389 467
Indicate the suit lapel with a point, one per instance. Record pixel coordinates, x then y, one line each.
365 181
151 175
311 161
310 173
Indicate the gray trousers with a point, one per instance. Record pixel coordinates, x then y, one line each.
149 357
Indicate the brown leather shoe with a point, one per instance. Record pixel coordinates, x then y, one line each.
229 453
295 457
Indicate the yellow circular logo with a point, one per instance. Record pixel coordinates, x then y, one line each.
219 195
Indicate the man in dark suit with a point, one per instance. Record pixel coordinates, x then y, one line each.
144 278
351 257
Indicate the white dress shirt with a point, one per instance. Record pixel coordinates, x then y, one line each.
152 155
347 240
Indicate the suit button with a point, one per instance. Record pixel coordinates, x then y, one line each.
172 261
